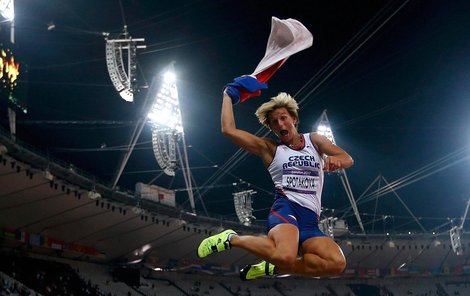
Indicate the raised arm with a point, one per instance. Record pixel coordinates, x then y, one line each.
262 147
336 157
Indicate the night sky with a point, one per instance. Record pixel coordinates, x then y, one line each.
394 77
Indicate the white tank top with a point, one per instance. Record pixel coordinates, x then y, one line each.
298 174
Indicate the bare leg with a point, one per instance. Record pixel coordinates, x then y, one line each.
321 257
280 247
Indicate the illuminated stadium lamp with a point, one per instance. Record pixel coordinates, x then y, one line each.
7 9
167 126
325 130
165 114
167 129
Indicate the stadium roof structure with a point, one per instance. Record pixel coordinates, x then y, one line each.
52 209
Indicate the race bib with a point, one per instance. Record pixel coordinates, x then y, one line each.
300 181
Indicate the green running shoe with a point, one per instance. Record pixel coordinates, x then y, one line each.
253 271
216 243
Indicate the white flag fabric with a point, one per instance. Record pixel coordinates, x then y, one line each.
287 37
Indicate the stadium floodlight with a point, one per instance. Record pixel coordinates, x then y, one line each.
7 9
325 130
167 129
166 114
167 126
323 127
161 102
243 206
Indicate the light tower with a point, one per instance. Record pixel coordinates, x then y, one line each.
161 110
167 127
167 131
324 128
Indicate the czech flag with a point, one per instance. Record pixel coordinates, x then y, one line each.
287 37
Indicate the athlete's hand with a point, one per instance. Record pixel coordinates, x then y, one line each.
331 164
244 87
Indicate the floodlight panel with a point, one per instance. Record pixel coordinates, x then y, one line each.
7 9
169 77
325 130
166 113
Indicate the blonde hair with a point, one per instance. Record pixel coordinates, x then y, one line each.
282 100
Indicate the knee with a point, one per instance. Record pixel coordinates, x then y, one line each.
331 266
283 260
337 265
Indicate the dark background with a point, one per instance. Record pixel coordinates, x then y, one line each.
392 75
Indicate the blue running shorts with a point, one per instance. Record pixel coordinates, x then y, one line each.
285 211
